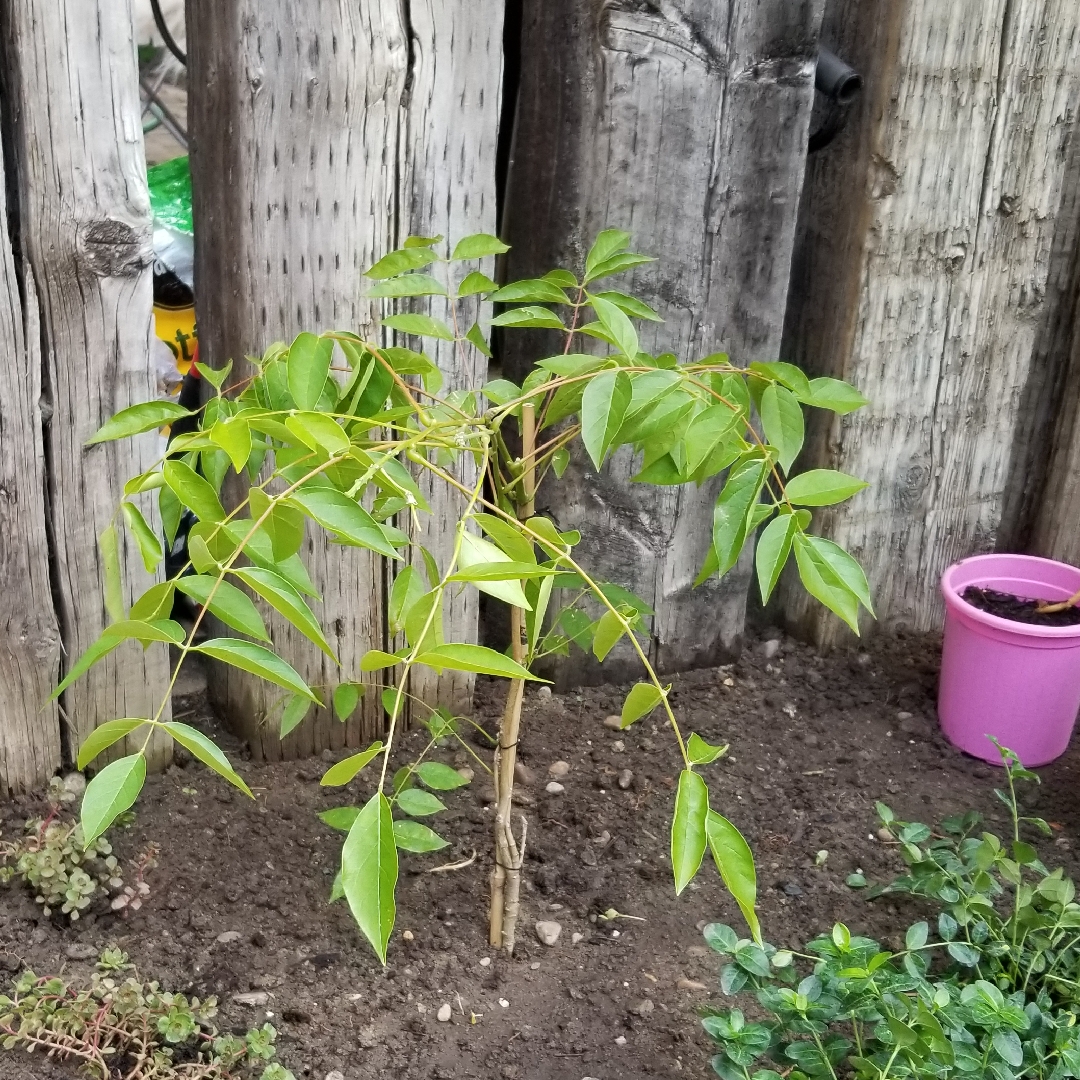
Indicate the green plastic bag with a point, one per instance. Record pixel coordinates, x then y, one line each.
170 194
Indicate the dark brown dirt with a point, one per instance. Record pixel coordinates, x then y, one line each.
814 741
1018 608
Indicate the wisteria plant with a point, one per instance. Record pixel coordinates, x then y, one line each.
332 432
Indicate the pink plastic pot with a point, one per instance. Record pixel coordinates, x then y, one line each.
1017 682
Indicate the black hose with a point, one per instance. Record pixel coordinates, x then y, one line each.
166 35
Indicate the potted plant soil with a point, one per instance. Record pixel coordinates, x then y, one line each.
1010 665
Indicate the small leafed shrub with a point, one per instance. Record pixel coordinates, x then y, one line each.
119 1026
64 873
993 991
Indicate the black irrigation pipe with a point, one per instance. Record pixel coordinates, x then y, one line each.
166 34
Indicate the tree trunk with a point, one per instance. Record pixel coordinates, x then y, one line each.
686 125
324 134
930 273
29 635
71 97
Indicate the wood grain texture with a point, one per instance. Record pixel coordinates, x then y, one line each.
84 218
685 124
323 136
29 634
927 275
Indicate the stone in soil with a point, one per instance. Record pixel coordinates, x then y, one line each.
554 788
444 1013
613 722
559 769
548 932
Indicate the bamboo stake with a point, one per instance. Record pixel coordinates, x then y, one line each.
510 853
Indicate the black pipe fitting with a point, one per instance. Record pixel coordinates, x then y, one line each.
841 84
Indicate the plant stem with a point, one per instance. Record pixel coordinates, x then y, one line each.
509 853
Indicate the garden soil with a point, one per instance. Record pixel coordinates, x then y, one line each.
815 740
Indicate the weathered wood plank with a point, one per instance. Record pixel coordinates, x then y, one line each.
85 231
923 276
29 634
322 137
685 125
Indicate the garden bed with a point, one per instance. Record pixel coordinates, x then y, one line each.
815 740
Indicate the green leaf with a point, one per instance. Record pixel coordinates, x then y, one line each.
286 601
964 954
844 567
773 549
283 524
400 262
500 391
534 290
345 770
476 658
136 419
369 871
502 570
609 242
529 316
603 406
257 660
733 506
839 397
420 325
339 514
440 777
735 861
347 696
409 285
308 367
478 246
421 241
203 748
475 283
609 629
507 536
340 817
475 551
614 320
788 375
171 511
573 363
317 431
623 260
112 636
228 603
633 307
822 487
413 836
823 584
559 460
101 738
408 587
706 431
296 709
234 437
112 585
642 699
193 491
419 803
110 793
702 753
1007 1044
155 603
782 420
917 935
149 544
476 337
688 828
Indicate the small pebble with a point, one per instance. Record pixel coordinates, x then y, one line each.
626 778
504 1003
485 961
255 998
618 746
535 965
336 1074
644 1008
81 952
903 716
559 769
770 648
548 932
729 682
75 784
544 693
229 937
613 722
554 788
620 1041
466 773
444 1013
523 774
691 984
408 935
576 937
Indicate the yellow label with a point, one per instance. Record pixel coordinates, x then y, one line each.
176 327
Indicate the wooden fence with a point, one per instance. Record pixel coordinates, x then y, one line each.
930 255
